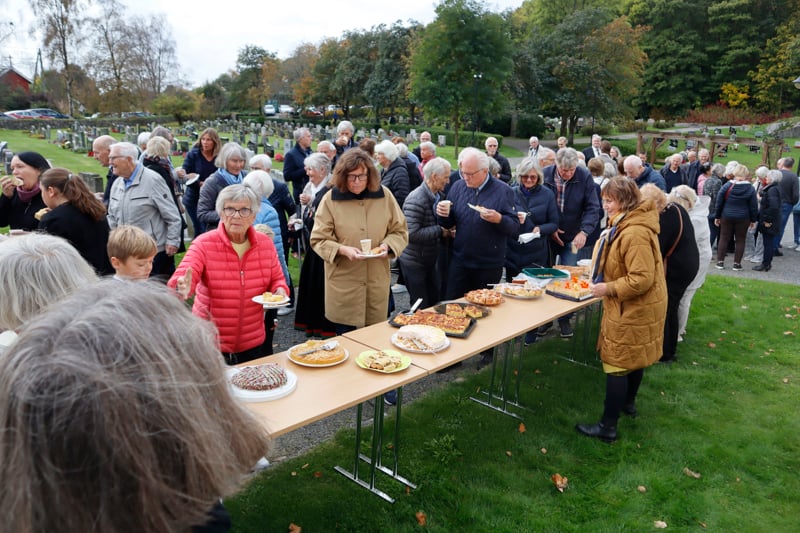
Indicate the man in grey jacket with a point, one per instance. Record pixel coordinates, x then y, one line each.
140 197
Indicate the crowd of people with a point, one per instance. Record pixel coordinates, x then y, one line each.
649 235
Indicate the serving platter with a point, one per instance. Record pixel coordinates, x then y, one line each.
259 395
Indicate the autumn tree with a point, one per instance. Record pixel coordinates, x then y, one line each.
298 69
388 81
461 59
247 91
773 90
155 60
177 102
110 56
59 22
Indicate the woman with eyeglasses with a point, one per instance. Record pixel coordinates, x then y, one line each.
356 208
225 268
537 213
628 274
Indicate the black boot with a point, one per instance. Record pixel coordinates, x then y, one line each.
630 410
762 267
598 431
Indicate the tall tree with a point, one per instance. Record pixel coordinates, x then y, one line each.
779 66
459 65
388 81
154 50
59 21
298 69
109 59
247 91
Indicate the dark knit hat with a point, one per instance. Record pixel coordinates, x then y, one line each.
34 159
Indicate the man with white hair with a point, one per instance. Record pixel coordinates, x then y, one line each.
345 140
492 151
673 172
294 171
479 247
140 197
594 149
533 142
635 170
327 148
101 148
424 137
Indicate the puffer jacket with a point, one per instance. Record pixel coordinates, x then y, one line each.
207 204
634 309
225 284
424 231
395 178
740 204
540 206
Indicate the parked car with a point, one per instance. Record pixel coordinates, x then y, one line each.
286 109
45 112
269 109
22 114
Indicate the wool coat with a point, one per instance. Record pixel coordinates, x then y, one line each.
635 306
225 284
357 292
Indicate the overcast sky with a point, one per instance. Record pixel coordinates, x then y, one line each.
208 40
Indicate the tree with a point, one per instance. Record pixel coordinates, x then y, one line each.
110 57
155 61
178 102
59 21
248 92
779 66
458 66
298 70
388 81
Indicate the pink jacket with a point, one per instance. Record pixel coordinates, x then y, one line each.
225 284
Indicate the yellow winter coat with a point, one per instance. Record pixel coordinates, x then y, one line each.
634 309
357 292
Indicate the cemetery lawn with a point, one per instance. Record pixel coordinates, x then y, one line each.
715 445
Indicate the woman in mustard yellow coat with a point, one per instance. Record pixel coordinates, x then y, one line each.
357 207
628 274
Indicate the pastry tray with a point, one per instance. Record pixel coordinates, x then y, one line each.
464 335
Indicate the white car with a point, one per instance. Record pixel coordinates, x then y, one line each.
269 109
286 109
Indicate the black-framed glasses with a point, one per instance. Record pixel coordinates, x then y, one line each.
243 212
528 177
357 177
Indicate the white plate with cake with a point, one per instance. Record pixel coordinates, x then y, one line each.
418 338
270 300
261 383
318 354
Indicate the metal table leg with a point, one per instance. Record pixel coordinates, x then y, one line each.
499 396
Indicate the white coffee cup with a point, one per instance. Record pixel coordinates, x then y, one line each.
366 245
522 215
446 207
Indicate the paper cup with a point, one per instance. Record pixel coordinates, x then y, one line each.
446 207
522 215
574 248
366 245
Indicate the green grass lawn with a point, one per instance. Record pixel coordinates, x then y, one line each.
725 411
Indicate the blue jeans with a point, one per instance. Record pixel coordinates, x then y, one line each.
796 224
786 210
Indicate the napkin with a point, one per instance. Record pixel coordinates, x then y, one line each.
525 238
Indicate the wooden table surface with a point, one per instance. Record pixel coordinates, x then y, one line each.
322 392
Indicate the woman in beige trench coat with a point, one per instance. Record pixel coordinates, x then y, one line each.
357 207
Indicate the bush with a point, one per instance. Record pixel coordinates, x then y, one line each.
589 130
722 114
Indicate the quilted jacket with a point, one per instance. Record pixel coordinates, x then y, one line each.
223 285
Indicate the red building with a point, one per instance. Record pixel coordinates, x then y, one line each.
12 79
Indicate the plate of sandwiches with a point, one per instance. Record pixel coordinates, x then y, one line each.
418 338
318 354
383 361
261 383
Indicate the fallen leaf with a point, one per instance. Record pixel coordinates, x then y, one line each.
516 372
559 481
521 427
537 371
544 451
422 518
738 479
508 453
408 489
786 380
703 525
712 345
641 488
787 333
294 528
723 332
789 316
690 473
660 524
304 466
390 446
317 474
744 307
294 473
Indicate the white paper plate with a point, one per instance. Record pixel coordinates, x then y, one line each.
372 256
444 346
479 209
260 300
265 395
301 363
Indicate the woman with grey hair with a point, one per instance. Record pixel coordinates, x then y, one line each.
226 268
756 253
116 412
230 171
418 260
318 169
394 174
769 217
345 140
35 271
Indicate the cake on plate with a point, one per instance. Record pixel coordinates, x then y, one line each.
265 377
574 288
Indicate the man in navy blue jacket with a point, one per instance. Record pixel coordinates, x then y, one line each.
479 246
294 170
